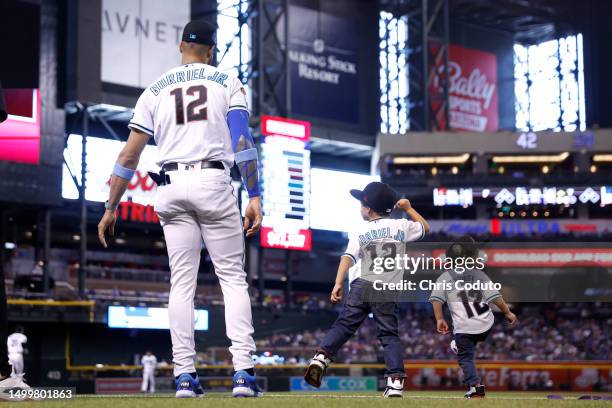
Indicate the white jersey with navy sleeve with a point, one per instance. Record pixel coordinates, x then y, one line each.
380 230
469 310
185 110
195 94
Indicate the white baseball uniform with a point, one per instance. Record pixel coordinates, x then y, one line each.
185 110
14 344
149 362
470 310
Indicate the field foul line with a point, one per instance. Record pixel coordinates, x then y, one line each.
329 396
405 396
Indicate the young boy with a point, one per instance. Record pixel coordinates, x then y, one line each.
470 311
377 202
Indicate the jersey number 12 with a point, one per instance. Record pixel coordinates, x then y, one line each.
478 306
195 109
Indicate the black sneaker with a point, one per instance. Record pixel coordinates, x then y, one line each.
316 369
477 391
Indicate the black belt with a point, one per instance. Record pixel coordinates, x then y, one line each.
205 165
163 179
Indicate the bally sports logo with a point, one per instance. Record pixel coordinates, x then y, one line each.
472 86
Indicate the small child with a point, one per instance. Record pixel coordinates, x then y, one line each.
377 202
470 311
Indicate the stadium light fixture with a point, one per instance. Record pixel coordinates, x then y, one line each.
544 158
457 159
602 158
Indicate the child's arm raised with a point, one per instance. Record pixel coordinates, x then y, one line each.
405 205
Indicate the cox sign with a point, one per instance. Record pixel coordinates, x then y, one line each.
336 384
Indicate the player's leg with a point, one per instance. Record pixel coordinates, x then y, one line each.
152 382
18 364
466 345
145 382
184 243
222 233
353 313
387 321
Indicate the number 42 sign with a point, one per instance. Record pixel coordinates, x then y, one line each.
527 140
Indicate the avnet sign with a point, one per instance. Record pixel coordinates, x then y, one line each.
140 39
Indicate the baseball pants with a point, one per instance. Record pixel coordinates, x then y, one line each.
148 381
199 206
466 345
16 361
354 311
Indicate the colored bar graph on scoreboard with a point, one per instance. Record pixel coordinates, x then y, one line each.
286 188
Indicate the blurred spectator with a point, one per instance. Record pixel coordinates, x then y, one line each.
573 334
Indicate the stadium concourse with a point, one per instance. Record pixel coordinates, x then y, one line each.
487 122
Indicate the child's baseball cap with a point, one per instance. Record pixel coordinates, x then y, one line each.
377 196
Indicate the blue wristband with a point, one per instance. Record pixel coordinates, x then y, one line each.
245 155
123 172
255 191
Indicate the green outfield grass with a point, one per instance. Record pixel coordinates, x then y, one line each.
333 400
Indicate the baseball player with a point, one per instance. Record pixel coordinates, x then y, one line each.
199 119
470 311
14 344
377 202
149 363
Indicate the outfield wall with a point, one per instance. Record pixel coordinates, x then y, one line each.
505 375
584 376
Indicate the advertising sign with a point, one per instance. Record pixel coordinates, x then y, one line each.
472 89
517 227
505 376
20 133
127 385
324 65
523 196
101 154
136 317
335 384
554 257
286 184
143 36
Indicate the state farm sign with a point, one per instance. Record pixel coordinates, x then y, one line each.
472 90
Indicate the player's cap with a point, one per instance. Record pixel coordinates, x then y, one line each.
199 32
377 196
464 247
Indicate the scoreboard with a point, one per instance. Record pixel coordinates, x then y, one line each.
286 184
20 134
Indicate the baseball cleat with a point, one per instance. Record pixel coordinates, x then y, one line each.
316 369
395 387
477 391
245 385
188 387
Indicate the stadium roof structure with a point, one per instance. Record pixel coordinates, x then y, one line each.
531 21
